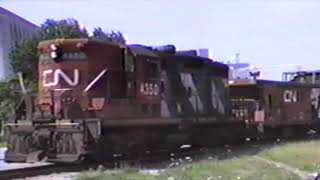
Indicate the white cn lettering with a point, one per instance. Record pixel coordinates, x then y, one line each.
57 74
45 77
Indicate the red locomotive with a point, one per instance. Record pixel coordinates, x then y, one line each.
101 98
275 108
97 98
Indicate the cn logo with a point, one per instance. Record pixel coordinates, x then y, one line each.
58 74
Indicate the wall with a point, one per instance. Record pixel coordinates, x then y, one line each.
14 29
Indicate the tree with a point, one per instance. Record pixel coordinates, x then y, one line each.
7 99
24 58
117 37
100 35
68 28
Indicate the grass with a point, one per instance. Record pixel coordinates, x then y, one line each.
3 144
237 168
303 155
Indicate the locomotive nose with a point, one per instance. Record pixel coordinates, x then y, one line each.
39 141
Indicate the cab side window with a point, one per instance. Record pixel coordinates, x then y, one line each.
129 63
152 70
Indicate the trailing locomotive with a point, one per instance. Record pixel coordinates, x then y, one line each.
97 99
276 108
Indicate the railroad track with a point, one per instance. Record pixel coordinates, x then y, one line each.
41 170
24 172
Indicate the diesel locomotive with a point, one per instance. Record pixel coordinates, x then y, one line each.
96 99
103 98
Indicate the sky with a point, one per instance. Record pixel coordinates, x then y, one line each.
273 35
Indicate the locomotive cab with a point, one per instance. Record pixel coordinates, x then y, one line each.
96 76
80 71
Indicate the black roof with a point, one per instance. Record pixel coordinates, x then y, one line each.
178 56
193 59
141 50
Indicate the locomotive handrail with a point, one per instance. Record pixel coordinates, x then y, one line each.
47 124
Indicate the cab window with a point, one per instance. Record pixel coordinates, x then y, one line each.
129 64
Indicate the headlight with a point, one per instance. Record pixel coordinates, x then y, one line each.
55 52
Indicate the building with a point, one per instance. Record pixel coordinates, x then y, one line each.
239 70
302 76
14 29
196 52
204 53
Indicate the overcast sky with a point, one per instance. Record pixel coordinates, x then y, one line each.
275 35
